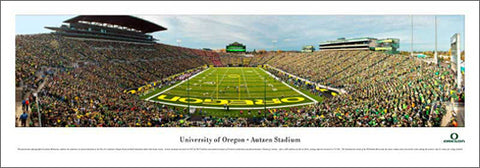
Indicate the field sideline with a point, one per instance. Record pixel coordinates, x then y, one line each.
241 88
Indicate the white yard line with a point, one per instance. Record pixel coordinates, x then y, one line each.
220 82
177 84
303 94
214 70
245 80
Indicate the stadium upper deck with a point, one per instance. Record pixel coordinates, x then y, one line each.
118 28
364 43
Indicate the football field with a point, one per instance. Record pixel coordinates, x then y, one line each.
237 87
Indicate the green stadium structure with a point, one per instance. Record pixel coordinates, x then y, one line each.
236 47
389 45
308 48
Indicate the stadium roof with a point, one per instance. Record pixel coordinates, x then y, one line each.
342 40
236 44
121 20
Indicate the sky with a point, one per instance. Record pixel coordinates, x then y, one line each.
290 32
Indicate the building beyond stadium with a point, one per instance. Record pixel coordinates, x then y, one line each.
307 49
109 27
364 43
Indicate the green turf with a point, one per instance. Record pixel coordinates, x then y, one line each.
239 87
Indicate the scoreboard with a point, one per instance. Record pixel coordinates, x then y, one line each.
236 47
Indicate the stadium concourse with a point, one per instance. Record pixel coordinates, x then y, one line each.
82 83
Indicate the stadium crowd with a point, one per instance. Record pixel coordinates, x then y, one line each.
383 90
86 79
81 84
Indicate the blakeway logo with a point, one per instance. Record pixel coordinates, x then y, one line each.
454 139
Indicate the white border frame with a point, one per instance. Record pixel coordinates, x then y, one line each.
12 137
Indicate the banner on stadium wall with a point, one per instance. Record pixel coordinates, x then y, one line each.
326 92
139 89
130 91
383 48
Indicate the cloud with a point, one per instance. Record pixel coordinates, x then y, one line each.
294 31
291 31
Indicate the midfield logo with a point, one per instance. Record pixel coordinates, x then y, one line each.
454 139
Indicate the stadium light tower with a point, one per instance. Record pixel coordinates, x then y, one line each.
188 93
435 55
411 39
